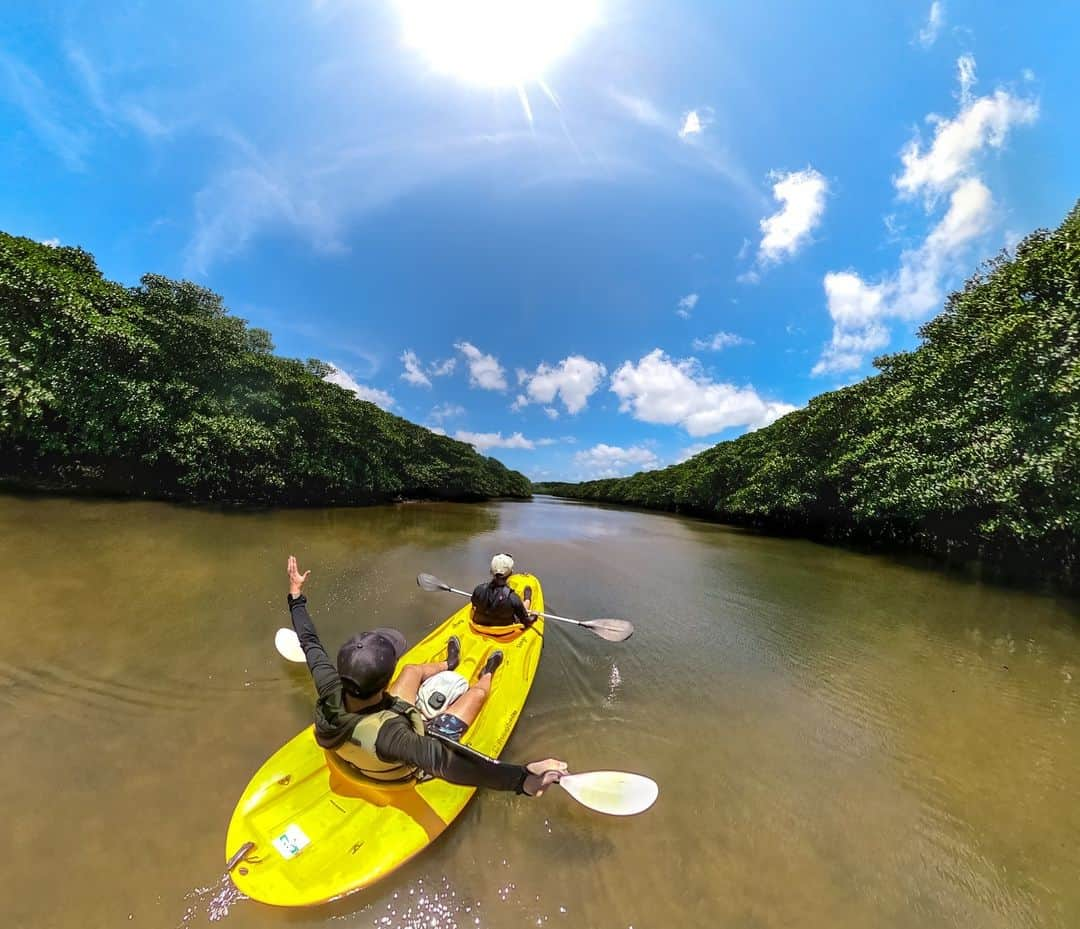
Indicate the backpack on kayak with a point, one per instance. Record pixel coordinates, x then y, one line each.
437 693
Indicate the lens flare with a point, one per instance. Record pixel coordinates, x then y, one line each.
495 43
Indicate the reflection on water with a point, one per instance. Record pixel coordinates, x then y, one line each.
841 740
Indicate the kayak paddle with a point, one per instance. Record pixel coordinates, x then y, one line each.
617 793
613 630
288 645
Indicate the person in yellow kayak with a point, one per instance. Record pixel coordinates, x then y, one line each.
495 604
379 731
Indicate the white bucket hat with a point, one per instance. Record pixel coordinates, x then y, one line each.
502 564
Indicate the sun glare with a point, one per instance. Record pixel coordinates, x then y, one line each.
495 42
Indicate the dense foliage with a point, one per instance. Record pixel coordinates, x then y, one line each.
968 445
156 390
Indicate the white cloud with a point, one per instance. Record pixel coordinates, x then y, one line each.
856 309
551 412
237 203
573 380
115 108
658 389
343 379
315 183
859 309
414 374
445 411
801 195
985 121
442 368
438 430
612 461
22 87
484 370
692 125
935 19
482 441
642 110
719 341
965 74
52 243
920 284
686 305
718 159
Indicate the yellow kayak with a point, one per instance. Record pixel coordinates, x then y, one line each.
306 831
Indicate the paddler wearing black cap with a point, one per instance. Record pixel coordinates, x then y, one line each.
379 731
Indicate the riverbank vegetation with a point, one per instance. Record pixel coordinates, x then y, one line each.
158 391
968 446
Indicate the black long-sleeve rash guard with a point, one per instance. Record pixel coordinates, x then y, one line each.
397 740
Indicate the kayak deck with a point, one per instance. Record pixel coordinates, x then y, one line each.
319 834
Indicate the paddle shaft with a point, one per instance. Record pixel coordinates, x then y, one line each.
299 657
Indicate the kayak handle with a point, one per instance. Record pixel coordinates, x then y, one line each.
244 851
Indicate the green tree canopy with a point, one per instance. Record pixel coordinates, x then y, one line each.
969 445
157 390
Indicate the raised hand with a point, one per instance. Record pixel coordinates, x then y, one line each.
296 579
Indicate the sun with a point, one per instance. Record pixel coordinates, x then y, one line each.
495 43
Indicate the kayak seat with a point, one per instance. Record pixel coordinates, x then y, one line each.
346 779
501 634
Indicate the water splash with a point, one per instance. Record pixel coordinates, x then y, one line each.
614 682
214 902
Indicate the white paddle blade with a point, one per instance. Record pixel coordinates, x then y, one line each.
429 582
288 645
613 630
616 793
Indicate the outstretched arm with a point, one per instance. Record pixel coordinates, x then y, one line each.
322 669
460 765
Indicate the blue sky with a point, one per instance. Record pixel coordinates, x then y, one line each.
598 238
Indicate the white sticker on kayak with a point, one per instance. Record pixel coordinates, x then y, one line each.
291 842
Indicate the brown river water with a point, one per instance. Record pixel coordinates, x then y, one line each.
841 740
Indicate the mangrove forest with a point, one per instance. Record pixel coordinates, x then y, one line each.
966 447
158 391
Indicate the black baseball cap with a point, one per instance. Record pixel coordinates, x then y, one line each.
367 661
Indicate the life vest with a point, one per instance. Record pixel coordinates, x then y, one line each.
495 608
359 748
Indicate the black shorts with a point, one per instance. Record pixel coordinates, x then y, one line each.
448 726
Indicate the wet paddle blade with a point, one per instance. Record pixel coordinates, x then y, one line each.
430 583
616 793
288 645
614 630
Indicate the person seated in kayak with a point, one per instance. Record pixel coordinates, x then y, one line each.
379 731
495 604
